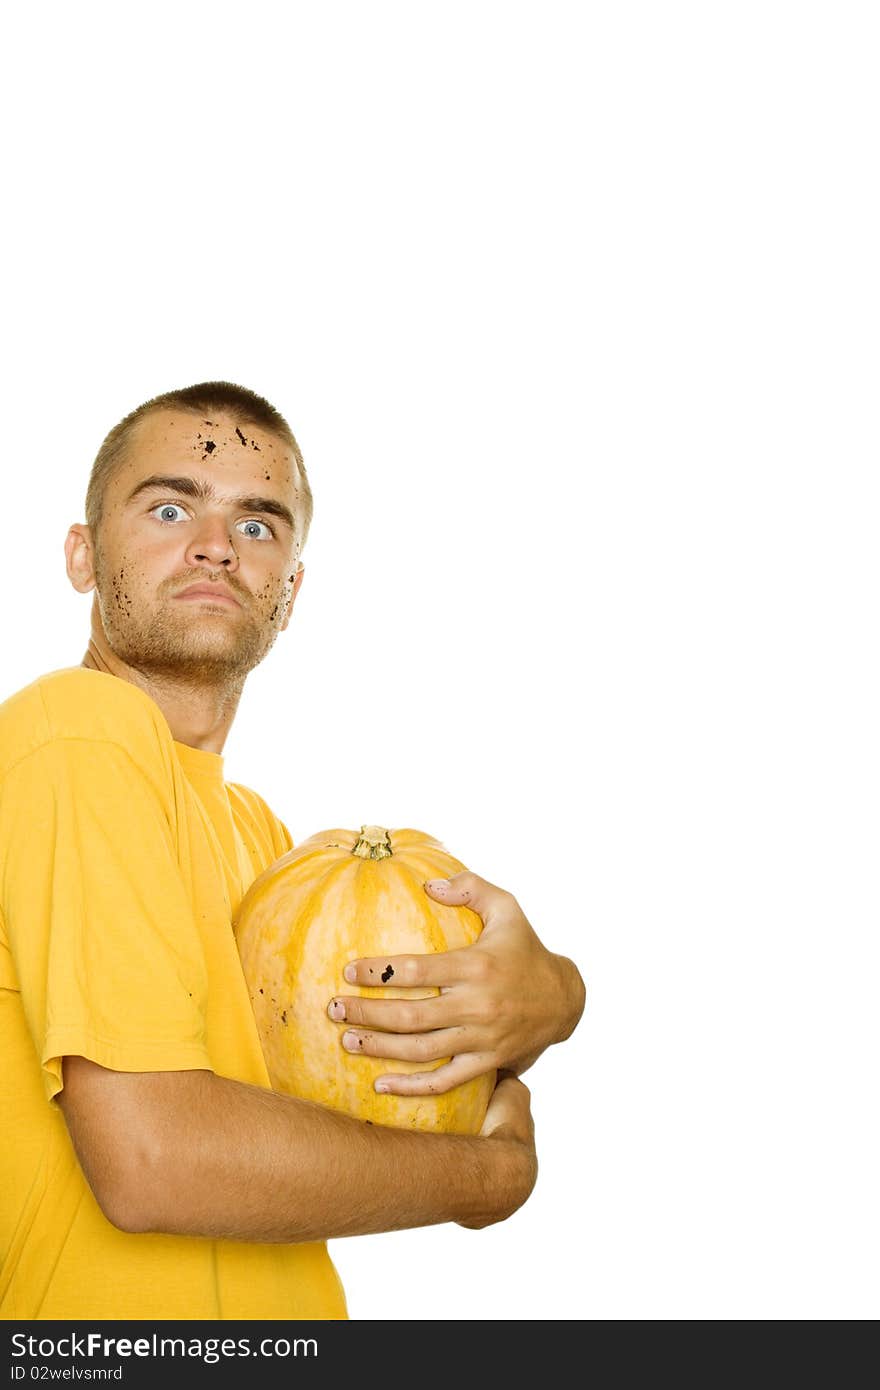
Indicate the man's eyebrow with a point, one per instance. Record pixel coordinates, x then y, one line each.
204 492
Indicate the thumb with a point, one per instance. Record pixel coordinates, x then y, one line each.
464 890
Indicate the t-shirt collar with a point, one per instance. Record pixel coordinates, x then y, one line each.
200 765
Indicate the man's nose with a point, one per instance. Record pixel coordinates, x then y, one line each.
212 542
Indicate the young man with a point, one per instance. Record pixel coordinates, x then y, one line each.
148 1169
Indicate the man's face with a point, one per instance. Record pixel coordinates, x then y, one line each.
157 541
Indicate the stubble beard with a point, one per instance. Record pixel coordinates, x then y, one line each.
177 643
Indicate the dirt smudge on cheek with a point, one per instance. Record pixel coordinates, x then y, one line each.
272 600
121 598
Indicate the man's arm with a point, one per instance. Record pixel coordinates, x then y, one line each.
192 1153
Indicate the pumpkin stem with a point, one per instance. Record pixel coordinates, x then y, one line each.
374 843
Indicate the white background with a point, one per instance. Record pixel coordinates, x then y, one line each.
573 309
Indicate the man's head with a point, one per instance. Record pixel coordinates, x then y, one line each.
203 486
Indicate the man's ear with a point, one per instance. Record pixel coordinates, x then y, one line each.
79 553
297 580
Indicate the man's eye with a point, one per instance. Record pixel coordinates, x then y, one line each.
265 526
166 507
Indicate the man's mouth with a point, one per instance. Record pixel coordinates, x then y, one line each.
211 593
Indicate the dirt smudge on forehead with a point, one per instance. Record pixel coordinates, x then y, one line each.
225 439
178 436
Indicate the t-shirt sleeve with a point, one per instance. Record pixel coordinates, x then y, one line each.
271 837
99 922
282 838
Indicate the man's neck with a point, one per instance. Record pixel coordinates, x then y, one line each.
198 715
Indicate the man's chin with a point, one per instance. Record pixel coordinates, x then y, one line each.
202 663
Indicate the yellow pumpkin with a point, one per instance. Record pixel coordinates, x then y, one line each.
336 897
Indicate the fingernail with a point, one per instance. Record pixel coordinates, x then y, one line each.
337 1011
349 974
351 1041
382 1087
435 883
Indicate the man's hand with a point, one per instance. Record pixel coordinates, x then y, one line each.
502 1001
509 1117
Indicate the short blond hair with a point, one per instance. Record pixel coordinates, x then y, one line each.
205 398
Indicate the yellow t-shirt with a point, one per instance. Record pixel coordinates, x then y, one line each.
123 857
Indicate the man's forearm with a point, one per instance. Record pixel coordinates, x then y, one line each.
214 1157
298 1171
